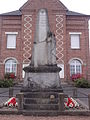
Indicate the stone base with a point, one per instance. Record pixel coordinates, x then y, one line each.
42 80
42 77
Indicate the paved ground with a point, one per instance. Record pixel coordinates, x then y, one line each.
4 93
82 93
21 117
68 89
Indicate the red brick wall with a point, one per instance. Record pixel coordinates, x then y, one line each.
11 24
70 24
78 24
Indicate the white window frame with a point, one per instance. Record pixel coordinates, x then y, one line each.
9 46
74 65
9 65
73 46
11 33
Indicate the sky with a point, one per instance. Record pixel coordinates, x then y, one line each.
82 6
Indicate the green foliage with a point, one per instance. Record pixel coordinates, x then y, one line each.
8 80
1 83
82 83
6 83
6 76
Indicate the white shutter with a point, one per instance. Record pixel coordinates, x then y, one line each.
11 41
75 41
61 73
23 72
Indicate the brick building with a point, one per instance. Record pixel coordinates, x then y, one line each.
17 32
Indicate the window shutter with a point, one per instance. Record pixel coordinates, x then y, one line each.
75 41
11 41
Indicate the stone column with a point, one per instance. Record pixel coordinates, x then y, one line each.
61 101
20 101
10 92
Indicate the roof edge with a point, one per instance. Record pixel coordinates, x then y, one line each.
12 13
73 13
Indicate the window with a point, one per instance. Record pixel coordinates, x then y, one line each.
11 41
75 41
75 67
10 66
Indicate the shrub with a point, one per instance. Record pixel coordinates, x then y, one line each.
6 76
6 83
82 83
1 83
9 76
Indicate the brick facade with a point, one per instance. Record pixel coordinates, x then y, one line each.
61 22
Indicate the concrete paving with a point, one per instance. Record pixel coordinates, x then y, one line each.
21 117
4 93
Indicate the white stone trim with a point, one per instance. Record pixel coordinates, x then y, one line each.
75 59
26 53
59 38
11 33
10 58
75 33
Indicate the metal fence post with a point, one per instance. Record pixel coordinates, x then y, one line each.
89 101
20 101
10 92
61 101
75 92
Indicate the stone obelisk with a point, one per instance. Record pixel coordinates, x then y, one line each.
43 72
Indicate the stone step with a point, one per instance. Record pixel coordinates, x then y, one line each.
41 106
20 84
26 89
40 101
40 112
40 94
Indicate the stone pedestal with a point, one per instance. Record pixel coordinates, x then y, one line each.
42 77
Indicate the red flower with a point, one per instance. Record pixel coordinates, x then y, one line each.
76 76
12 75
